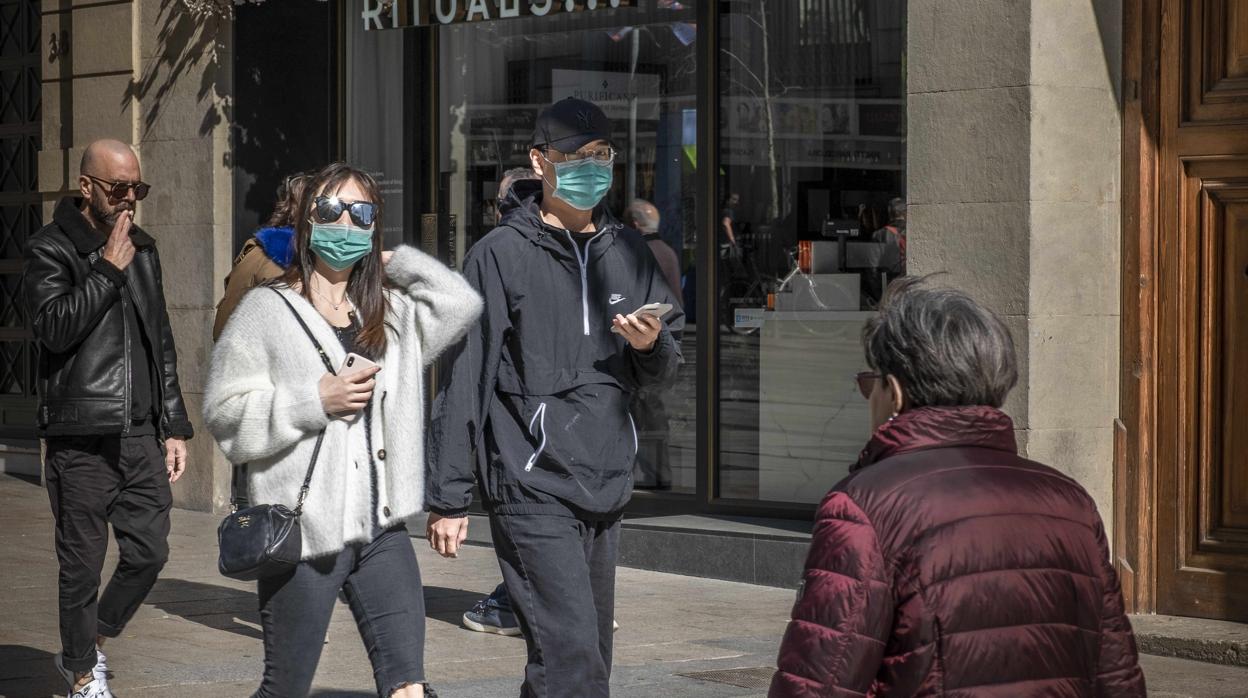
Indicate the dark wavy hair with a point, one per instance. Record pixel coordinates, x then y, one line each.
289 200
366 285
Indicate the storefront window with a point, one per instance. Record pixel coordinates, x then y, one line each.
375 137
811 229
638 64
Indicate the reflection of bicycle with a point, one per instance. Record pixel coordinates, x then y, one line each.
744 286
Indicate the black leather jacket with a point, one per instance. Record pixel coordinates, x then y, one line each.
77 315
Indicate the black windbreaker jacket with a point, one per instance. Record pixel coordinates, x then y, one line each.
539 390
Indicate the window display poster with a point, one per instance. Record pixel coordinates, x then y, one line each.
612 91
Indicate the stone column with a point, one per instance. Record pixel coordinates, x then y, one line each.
155 75
1014 161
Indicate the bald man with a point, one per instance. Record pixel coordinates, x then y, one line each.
110 407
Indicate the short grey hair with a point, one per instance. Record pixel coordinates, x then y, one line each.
941 346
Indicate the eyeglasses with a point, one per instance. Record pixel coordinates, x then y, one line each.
866 383
117 190
603 153
330 208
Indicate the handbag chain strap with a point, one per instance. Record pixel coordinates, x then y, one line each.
316 450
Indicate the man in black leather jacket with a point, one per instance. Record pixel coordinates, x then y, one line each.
110 407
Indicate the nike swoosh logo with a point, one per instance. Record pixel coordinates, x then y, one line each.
616 299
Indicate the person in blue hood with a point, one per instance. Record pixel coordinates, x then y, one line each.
537 403
267 254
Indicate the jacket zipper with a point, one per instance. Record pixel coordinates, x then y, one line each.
583 262
538 420
126 417
636 446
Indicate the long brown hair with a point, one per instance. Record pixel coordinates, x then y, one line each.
366 285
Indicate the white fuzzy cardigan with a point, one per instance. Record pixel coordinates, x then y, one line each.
262 402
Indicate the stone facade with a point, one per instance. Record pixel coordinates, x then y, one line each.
155 75
1014 160
1014 157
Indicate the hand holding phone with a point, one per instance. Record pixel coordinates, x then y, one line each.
657 310
345 394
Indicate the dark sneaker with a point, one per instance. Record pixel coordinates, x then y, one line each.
490 617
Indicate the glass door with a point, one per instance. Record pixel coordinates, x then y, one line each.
639 65
810 226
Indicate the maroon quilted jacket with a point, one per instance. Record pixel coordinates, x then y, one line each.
946 565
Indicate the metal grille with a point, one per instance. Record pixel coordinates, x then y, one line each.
20 206
752 677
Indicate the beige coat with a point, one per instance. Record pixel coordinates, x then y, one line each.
252 267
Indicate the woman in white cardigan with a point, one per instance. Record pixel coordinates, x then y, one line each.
269 396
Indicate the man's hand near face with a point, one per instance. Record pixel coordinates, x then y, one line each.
119 250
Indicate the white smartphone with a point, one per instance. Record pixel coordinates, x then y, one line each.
658 310
354 362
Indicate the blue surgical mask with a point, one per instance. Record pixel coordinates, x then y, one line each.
340 244
582 183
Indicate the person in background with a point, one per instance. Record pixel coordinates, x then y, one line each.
493 614
266 254
893 236
945 564
110 405
539 390
728 218
264 257
643 217
269 397
649 405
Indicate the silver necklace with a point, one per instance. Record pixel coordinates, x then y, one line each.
327 299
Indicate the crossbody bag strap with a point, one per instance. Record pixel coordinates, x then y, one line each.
299 318
316 450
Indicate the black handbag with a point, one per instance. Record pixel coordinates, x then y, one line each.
266 540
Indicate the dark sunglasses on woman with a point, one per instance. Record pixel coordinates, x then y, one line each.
329 209
117 190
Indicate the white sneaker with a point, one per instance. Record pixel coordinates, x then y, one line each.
96 688
100 670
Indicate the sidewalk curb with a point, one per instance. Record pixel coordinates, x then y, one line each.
1209 641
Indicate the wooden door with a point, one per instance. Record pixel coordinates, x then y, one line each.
1201 263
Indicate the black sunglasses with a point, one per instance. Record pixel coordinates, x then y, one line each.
117 190
330 208
866 383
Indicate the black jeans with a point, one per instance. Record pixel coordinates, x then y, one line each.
382 584
92 482
560 575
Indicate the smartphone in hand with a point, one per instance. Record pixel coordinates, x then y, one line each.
657 310
353 363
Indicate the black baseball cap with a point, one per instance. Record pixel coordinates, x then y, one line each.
569 124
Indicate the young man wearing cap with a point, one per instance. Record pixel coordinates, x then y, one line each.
540 392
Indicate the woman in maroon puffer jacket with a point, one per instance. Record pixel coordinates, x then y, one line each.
945 564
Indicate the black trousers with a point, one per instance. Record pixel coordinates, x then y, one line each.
560 574
92 482
381 580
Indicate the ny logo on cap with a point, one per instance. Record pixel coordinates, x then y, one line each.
583 117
